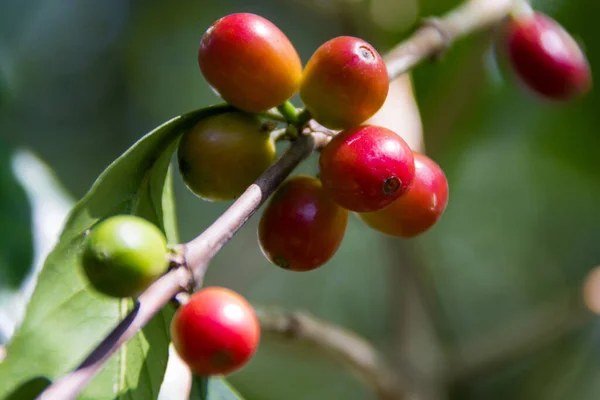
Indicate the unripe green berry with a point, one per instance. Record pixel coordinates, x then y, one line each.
224 154
123 255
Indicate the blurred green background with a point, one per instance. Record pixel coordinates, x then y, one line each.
487 305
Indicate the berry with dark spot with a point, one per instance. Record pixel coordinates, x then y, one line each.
366 168
301 227
223 154
344 83
249 62
420 208
546 58
216 332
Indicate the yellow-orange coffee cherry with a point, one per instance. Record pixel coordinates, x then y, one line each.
222 155
249 62
344 83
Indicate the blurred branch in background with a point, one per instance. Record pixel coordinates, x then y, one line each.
539 329
438 34
420 342
350 349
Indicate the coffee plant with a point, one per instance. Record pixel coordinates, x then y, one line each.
119 252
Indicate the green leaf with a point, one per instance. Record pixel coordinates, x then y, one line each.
213 389
65 320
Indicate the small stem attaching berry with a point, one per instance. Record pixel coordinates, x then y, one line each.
303 117
273 115
289 112
291 132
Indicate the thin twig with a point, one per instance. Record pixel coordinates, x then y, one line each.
438 34
531 334
426 42
349 348
147 306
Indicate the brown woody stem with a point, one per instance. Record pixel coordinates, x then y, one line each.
347 347
438 34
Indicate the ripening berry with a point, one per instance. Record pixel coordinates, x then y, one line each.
344 83
546 58
123 255
249 62
223 154
420 208
301 228
216 332
366 168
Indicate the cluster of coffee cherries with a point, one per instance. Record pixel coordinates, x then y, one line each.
365 169
215 332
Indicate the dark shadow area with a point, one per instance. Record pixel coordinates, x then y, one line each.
30 389
16 245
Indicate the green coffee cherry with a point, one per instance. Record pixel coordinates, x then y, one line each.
123 255
222 155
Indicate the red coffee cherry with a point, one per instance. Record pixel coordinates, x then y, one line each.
216 332
546 58
366 168
223 154
249 62
420 208
301 227
344 83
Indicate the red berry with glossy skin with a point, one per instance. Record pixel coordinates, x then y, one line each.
420 208
547 58
366 168
249 62
301 228
345 82
216 332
